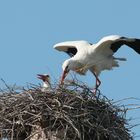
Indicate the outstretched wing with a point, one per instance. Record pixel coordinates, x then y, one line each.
111 44
71 47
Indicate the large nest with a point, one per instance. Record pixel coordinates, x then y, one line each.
70 112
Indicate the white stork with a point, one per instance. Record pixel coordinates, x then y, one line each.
94 57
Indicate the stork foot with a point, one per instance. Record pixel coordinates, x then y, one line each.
95 91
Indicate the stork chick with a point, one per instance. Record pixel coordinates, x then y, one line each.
46 85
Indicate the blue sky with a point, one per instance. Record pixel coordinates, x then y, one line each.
29 29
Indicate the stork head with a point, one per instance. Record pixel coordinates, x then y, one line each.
68 65
66 69
44 77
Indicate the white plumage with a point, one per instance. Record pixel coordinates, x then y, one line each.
94 57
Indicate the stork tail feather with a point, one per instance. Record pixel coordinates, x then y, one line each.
121 59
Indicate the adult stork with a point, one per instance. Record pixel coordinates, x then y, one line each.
94 57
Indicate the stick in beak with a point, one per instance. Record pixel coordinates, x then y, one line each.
65 72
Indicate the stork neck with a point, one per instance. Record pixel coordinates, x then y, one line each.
46 84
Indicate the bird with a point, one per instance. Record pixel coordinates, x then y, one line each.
94 57
46 82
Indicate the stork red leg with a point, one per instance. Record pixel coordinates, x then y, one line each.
98 83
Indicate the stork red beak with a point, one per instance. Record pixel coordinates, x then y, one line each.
65 72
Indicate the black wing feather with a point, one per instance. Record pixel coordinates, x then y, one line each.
71 51
131 42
